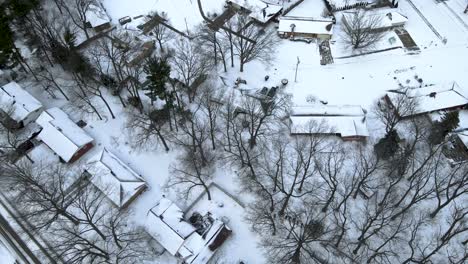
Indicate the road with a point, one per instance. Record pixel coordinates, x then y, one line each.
11 236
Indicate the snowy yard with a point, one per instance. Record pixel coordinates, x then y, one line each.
356 78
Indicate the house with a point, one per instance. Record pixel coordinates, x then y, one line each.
388 18
429 99
305 28
260 11
62 135
192 243
97 18
17 107
114 178
347 122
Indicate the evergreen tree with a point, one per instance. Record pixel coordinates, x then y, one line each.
6 38
441 128
387 146
158 71
20 8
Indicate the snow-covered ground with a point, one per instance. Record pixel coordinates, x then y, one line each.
352 81
5 255
184 15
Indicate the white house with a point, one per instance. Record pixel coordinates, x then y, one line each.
387 18
429 99
17 107
114 178
346 121
166 224
62 135
305 27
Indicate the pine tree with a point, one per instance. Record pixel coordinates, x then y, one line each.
158 71
6 39
441 128
387 146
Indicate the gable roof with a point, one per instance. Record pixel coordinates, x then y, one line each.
346 126
117 180
387 17
166 223
305 25
327 110
434 97
61 134
14 97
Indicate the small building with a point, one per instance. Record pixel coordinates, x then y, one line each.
430 99
388 18
191 244
305 28
62 135
17 107
97 19
347 121
262 12
141 52
114 178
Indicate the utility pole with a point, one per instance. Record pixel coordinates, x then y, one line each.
466 9
297 66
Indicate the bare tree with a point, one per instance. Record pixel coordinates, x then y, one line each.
190 173
361 29
390 109
161 32
191 65
148 127
299 237
259 45
40 191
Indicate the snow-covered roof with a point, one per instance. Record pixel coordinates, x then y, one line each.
387 17
435 97
61 134
117 180
258 8
305 26
327 110
346 126
166 223
96 16
16 99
